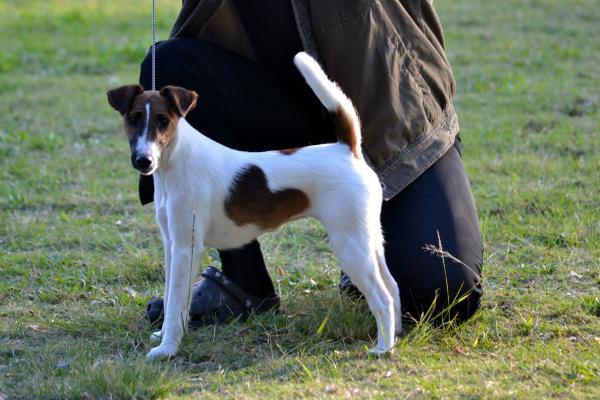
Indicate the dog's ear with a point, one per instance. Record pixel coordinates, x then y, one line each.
182 100
120 98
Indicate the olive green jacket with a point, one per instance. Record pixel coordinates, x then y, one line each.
388 57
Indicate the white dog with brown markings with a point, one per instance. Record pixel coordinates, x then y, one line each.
207 194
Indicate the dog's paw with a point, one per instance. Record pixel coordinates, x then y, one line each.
156 336
382 348
162 351
380 351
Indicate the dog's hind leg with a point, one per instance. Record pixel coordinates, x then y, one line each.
358 260
390 283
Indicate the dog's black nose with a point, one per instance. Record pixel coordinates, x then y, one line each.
143 163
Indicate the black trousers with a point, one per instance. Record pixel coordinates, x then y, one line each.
242 106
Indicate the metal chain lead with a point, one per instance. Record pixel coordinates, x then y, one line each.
153 44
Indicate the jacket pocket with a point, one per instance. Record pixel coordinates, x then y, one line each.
411 90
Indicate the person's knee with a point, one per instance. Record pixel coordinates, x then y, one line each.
462 271
457 290
464 292
466 305
170 56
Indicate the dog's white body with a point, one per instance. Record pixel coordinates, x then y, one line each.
194 180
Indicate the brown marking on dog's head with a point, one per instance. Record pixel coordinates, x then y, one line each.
250 201
120 98
150 120
182 100
288 152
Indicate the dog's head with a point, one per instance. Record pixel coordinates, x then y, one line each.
150 120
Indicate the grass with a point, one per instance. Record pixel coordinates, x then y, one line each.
79 258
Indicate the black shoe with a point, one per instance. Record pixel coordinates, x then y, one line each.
216 299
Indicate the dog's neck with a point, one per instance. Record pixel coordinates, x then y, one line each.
190 151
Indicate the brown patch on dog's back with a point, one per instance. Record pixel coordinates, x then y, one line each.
250 201
288 152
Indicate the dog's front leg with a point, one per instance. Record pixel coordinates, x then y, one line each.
186 253
161 218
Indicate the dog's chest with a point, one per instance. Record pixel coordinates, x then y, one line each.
223 233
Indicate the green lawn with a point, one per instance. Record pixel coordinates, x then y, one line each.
77 264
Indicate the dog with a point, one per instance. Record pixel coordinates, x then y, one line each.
207 194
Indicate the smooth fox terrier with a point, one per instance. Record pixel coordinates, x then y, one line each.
207 194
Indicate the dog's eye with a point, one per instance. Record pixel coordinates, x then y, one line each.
133 119
162 123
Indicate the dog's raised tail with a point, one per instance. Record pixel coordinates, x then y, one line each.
347 123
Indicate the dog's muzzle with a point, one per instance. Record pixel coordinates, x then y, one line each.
142 163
